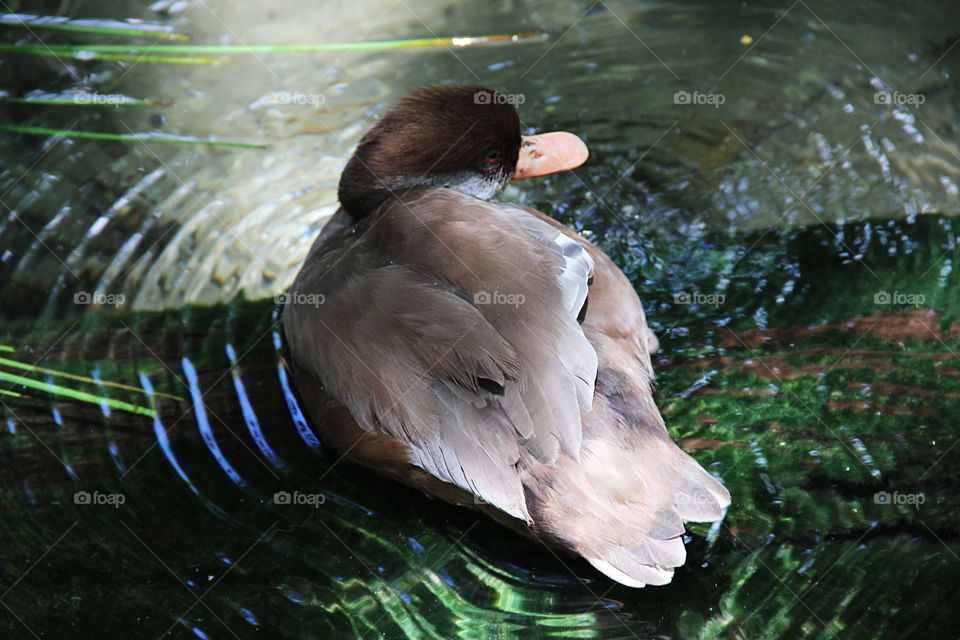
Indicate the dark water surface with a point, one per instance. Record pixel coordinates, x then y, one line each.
793 245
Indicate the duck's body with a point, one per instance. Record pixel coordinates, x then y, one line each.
487 354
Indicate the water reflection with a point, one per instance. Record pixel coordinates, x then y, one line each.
803 392
822 118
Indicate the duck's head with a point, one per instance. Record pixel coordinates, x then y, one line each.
464 138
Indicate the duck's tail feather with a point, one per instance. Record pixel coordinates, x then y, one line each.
622 507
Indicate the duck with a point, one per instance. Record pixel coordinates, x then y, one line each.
484 353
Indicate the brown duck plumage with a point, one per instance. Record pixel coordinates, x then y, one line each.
482 351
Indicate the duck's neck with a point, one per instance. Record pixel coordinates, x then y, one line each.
361 191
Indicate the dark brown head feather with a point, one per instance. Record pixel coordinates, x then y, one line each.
433 136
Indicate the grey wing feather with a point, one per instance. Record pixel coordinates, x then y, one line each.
576 272
578 266
404 351
484 465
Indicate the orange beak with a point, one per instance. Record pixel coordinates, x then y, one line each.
549 153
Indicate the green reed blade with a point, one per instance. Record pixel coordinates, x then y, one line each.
73 394
79 52
135 137
73 376
100 51
86 99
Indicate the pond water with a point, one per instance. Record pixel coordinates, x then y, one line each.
779 181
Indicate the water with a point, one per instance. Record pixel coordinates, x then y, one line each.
794 248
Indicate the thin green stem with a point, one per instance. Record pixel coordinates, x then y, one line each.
134 137
87 99
128 51
84 53
73 376
81 396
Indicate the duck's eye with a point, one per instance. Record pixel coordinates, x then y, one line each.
493 156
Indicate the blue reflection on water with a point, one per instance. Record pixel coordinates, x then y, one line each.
295 413
249 417
204 424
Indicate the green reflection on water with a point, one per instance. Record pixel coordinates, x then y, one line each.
807 421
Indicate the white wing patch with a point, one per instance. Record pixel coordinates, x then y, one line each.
577 273
574 279
578 267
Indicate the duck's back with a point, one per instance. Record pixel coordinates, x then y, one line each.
456 348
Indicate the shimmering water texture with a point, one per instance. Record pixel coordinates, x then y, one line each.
228 497
794 245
